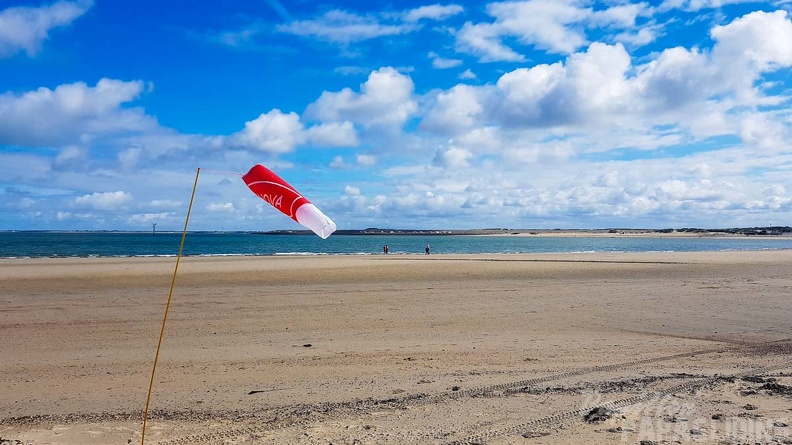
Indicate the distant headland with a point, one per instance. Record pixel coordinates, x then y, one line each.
774 231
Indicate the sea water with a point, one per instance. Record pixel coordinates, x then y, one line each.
21 244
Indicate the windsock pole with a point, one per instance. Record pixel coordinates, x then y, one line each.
167 307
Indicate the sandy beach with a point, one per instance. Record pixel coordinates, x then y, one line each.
407 349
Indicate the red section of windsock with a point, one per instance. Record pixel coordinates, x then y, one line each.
273 189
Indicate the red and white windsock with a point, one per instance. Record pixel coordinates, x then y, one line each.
273 189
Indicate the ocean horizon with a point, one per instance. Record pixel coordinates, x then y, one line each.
66 244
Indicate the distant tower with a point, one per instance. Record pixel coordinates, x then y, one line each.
153 228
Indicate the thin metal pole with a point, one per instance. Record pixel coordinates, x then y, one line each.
167 307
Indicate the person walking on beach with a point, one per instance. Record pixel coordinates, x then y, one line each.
427 248
385 249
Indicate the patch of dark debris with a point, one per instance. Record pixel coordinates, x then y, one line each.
300 411
783 347
534 434
768 384
4 441
184 415
615 386
598 414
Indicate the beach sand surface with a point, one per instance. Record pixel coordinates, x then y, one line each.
399 349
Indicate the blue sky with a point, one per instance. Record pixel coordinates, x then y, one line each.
521 114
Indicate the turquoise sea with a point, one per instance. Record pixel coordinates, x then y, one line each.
118 244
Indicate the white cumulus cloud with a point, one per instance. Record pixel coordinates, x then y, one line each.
333 134
761 39
433 12
697 5
452 157
385 100
223 207
344 27
70 111
165 203
442 63
351 191
26 28
103 200
366 159
274 132
696 89
555 26
454 110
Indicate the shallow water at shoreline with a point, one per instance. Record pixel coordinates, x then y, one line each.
140 244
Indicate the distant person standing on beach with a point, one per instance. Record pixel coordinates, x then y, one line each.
427 248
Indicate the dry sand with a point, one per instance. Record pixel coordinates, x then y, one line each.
503 349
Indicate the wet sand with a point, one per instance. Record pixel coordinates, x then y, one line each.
399 349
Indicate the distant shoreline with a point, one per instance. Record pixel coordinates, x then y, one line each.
644 234
763 232
781 232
